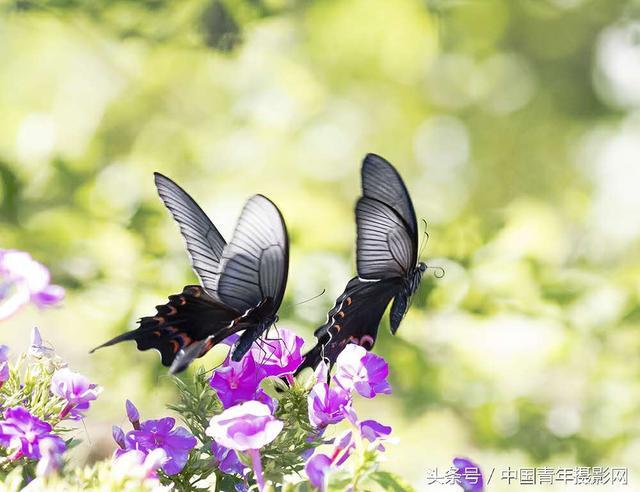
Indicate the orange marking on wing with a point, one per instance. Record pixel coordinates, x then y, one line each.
183 301
348 301
171 329
175 346
186 339
338 328
157 333
172 310
160 319
340 314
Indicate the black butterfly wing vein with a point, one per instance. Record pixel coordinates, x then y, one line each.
204 242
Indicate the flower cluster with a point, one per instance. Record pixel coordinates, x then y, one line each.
357 372
24 280
37 394
149 436
254 420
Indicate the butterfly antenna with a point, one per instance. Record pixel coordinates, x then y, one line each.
438 271
425 239
311 298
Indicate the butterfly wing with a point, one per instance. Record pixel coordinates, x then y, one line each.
204 243
181 325
254 265
354 318
382 182
387 242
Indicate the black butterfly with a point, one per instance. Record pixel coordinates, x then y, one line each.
387 263
243 282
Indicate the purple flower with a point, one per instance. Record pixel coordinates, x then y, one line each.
237 382
23 280
23 432
132 414
4 364
51 457
246 427
227 459
362 371
469 475
280 356
374 431
76 389
326 404
118 436
317 469
160 434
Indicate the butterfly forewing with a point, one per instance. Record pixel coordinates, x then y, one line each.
204 243
381 181
255 263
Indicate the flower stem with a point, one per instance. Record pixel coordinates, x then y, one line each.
254 454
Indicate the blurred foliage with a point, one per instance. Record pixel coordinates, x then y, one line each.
514 123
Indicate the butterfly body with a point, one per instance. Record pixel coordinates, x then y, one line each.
401 301
243 282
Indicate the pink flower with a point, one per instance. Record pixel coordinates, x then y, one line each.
279 356
24 432
246 427
249 425
326 404
76 389
362 371
23 280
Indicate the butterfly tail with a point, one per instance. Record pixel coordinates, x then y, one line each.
188 318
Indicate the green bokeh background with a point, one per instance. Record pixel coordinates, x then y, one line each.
514 123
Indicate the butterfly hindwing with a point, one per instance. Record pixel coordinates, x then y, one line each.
186 319
354 318
255 263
